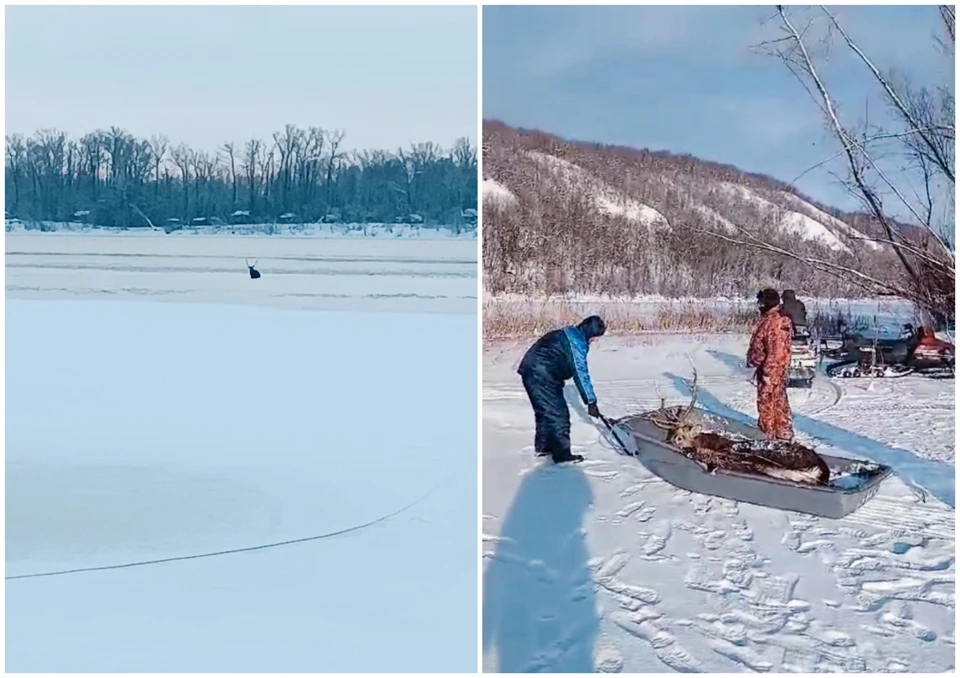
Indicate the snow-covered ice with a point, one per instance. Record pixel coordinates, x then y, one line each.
602 566
303 273
141 431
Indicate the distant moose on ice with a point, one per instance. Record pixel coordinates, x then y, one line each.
254 273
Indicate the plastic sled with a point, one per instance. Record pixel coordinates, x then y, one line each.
852 482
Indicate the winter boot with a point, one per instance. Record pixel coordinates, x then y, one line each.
567 456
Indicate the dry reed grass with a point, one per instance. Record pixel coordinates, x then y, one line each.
505 320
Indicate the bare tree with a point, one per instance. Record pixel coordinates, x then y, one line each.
158 145
335 138
229 149
925 135
16 155
254 149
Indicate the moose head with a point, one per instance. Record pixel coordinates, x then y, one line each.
682 430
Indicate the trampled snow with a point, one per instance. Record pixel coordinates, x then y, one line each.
602 566
141 431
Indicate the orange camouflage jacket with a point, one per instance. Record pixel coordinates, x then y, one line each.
769 350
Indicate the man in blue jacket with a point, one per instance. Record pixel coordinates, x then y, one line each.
555 357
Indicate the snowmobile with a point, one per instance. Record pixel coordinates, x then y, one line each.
913 352
803 360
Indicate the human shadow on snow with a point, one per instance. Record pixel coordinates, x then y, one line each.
935 477
539 611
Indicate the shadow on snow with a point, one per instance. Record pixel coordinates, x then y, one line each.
539 610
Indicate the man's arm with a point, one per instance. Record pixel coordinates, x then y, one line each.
581 373
757 353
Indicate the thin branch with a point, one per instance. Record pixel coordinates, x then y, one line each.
845 140
894 98
837 270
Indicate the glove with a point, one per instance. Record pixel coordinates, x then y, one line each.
593 410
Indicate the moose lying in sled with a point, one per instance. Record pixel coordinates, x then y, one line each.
781 459
703 452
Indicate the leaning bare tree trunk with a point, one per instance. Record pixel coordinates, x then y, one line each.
926 263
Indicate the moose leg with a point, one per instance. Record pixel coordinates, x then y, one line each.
773 405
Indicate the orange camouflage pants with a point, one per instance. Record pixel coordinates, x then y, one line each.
775 419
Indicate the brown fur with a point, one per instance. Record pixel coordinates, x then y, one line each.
786 460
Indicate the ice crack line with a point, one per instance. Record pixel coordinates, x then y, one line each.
246 549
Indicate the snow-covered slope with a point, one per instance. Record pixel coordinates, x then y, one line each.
657 190
793 222
605 197
602 566
831 222
496 193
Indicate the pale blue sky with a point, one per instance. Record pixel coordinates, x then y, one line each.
389 76
684 79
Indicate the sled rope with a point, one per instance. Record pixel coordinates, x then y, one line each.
212 554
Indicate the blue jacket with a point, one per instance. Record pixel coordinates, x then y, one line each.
562 354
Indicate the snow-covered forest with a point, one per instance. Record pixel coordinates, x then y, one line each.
113 178
577 217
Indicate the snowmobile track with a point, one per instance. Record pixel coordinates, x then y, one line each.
838 393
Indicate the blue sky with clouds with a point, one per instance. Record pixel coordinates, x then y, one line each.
389 76
685 79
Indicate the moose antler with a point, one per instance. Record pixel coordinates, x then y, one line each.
692 385
672 418
247 262
663 399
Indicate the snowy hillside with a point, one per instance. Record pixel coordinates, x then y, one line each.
789 213
640 221
607 199
601 566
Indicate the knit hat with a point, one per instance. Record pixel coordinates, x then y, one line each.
768 298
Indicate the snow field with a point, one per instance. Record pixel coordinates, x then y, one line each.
141 431
602 566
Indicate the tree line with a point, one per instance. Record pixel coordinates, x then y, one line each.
113 178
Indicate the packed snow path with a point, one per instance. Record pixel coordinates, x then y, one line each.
601 566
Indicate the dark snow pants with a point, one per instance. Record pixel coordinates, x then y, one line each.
550 412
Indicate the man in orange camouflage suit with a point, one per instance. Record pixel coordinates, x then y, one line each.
769 354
